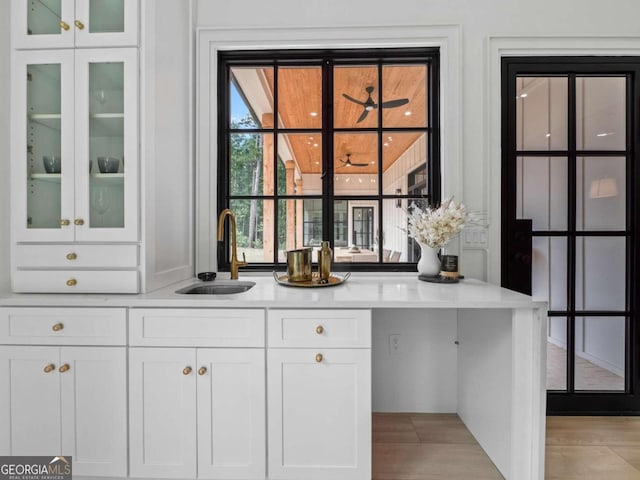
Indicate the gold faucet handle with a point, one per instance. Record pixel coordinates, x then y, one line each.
243 263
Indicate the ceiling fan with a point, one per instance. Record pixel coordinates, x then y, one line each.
369 104
349 163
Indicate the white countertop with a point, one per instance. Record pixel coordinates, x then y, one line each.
361 290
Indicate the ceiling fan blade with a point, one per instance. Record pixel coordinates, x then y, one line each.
354 100
359 164
395 103
363 115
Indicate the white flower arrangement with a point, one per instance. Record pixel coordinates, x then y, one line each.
434 227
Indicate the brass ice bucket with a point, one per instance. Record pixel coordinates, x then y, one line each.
299 265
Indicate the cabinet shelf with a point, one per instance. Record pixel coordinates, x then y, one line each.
49 120
100 177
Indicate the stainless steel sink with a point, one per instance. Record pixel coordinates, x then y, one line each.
217 288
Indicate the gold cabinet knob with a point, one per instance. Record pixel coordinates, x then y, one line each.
319 357
319 329
202 370
57 327
72 282
79 24
49 368
71 256
64 368
78 221
64 222
64 25
186 370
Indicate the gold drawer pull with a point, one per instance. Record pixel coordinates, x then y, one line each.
202 370
78 221
72 282
72 256
64 368
64 25
49 368
64 222
319 329
186 371
79 24
319 357
57 327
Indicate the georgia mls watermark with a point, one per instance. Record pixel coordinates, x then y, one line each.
35 468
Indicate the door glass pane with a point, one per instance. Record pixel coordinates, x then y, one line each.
601 193
600 273
106 16
404 96
301 156
106 144
43 17
355 102
557 353
600 353
549 271
541 106
541 191
254 227
44 141
601 113
402 154
300 97
355 163
251 163
251 94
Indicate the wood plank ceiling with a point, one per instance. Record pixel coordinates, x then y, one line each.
299 98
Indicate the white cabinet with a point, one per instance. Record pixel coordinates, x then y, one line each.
197 412
319 397
65 401
74 23
76 111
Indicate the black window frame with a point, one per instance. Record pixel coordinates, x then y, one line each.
327 59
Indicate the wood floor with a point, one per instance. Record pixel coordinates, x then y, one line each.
439 447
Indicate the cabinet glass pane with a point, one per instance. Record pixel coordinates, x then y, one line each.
106 144
557 353
601 193
600 353
601 113
106 16
541 106
43 17
44 140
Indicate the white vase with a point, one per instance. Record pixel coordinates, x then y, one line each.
429 263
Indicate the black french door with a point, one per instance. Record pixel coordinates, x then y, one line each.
570 136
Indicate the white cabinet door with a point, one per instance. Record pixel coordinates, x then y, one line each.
162 412
29 401
319 414
69 23
231 413
94 409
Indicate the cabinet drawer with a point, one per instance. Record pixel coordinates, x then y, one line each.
197 327
319 328
63 326
75 281
76 256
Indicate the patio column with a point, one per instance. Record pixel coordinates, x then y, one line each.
299 215
268 165
290 169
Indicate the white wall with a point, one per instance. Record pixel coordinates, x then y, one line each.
479 21
4 145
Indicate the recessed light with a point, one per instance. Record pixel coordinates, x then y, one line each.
605 134
373 162
347 179
373 180
548 135
524 95
314 114
317 163
407 113
315 144
359 180
386 144
390 139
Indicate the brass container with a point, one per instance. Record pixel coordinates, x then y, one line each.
299 265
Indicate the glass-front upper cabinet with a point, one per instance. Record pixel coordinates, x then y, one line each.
79 118
74 23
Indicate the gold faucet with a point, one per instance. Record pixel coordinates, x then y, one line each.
235 263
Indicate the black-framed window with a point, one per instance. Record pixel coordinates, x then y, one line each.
306 136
